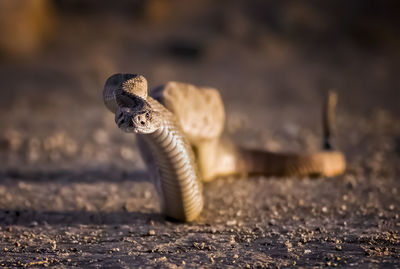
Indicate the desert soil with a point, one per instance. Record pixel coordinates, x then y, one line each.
74 191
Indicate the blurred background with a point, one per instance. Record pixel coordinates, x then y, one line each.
272 61
73 190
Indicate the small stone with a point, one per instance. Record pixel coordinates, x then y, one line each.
232 241
147 194
101 136
338 247
386 252
307 251
325 209
231 222
152 232
33 224
127 153
162 259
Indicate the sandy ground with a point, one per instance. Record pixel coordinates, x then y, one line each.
74 192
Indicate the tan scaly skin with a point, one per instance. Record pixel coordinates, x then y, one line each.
179 130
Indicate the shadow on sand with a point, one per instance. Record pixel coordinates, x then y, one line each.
79 176
32 218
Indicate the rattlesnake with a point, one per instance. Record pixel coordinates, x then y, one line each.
179 130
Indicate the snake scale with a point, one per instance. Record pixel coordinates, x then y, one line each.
179 130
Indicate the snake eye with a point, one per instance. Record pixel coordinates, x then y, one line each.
147 115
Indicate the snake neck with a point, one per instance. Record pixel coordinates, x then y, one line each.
176 168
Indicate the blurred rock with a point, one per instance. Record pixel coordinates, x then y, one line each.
161 12
157 11
185 49
24 26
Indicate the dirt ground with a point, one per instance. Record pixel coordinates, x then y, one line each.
74 192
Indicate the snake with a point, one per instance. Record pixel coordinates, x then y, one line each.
179 129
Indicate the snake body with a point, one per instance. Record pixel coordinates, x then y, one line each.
175 163
181 154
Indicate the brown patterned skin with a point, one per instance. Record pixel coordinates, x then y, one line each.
201 113
180 140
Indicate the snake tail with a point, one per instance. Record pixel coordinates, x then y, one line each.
327 162
229 159
328 120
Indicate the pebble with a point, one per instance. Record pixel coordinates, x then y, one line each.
231 222
33 224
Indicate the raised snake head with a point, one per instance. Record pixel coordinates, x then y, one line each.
126 95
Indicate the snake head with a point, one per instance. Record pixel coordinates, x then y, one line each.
135 115
120 88
125 95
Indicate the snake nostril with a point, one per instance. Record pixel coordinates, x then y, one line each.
142 123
